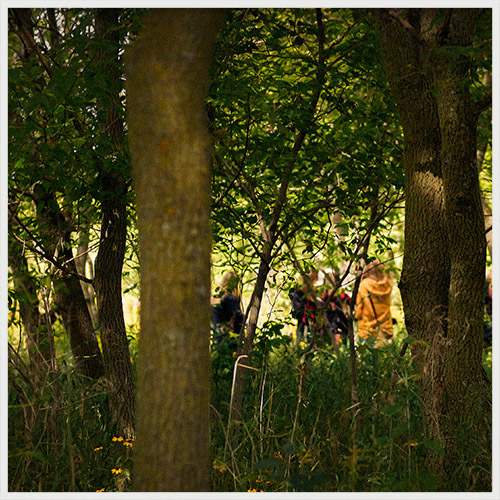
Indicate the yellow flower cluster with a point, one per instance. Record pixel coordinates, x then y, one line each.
253 489
98 448
117 471
126 442
101 490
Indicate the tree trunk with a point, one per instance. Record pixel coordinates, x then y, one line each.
81 261
442 274
424 280
109 260
168 77
55 229
72 305
68 296
467 403
245 347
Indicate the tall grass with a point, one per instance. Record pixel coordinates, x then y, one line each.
296 433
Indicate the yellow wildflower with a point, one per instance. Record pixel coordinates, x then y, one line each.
117 471
101 490
98 448
119 438
128 443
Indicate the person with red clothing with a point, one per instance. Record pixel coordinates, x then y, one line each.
304 307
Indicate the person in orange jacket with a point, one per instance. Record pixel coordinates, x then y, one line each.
373 303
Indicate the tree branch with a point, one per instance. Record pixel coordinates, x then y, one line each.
320 77
482 105
41 251
408 27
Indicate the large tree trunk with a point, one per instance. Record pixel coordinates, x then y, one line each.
168 76
467 403
443 269
109 260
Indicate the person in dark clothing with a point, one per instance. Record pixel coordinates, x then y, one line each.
336 304
226 313
335 313
304 306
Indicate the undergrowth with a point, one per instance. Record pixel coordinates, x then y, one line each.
298 431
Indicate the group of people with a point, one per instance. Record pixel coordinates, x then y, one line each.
327 311
319 312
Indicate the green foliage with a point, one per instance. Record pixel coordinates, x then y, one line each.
268 69
318 454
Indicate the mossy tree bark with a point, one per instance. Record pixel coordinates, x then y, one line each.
442 282
167 80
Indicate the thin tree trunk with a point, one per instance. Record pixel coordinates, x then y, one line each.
83 261
68 296
246 344
270 235
111 253
167 81
55 230
76 318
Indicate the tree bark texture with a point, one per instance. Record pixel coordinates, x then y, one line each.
68 294
167 80
72 305
468 403
109 260
442 283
